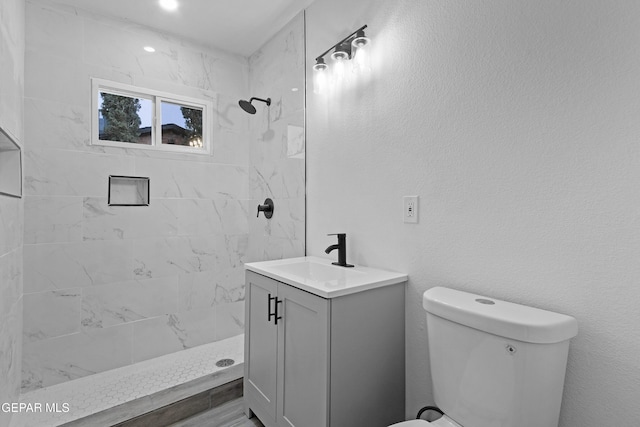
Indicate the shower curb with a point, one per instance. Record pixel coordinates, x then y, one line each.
183 400
185 408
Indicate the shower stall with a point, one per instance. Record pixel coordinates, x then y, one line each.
106 287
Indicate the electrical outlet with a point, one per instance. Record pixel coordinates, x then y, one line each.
410 209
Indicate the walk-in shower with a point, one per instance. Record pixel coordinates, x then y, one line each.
93 288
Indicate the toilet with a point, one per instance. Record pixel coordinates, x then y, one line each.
494 363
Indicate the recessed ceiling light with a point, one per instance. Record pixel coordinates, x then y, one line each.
294 89
149 49
169 4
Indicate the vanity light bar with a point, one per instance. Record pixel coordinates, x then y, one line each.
351 47
341 47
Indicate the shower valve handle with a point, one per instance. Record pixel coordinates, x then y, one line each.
266 208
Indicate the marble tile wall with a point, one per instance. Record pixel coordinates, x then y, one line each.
107 286
277 144
12 46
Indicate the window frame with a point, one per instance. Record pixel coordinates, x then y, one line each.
156 97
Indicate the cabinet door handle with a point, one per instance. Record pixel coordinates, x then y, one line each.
269 313
278 301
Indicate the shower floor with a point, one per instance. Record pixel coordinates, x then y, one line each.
117 395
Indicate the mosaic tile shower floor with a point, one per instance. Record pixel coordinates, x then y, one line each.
99 392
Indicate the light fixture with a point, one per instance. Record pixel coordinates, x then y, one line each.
169 5
320 65
320 76
342 51
149 49
361 40
354 46
340 56
361 61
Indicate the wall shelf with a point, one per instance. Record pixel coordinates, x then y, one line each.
128 191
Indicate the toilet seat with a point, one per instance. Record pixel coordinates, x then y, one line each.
443 421
412 423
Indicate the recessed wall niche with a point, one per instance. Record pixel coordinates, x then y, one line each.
128 191
10 166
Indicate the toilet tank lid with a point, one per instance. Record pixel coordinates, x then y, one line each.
501 318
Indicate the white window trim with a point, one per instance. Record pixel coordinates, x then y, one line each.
100 85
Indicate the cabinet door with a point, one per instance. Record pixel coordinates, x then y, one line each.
303 348
261 346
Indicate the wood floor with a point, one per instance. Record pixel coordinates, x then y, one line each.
229 414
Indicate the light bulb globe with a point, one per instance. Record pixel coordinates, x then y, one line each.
360 42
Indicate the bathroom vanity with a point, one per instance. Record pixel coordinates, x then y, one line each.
324 345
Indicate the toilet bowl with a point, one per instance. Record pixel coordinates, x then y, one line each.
505 360
443 421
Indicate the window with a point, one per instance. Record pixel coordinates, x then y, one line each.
132 117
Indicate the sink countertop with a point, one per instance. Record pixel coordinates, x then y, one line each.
319 277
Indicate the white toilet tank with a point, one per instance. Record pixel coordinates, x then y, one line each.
495 363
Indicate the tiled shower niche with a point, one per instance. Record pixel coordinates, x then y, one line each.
128 191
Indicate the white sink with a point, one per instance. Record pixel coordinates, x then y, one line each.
325 272
320 277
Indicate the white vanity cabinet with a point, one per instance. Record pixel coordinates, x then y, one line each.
314 361
299 377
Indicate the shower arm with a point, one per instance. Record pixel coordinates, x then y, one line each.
266 101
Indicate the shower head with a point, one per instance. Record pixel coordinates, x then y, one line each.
248 106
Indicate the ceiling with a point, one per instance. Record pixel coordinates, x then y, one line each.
238 26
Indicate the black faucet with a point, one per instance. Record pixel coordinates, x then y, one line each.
342 250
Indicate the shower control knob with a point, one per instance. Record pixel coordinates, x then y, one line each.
266 208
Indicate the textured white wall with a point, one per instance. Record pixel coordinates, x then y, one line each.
12 45
517 123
